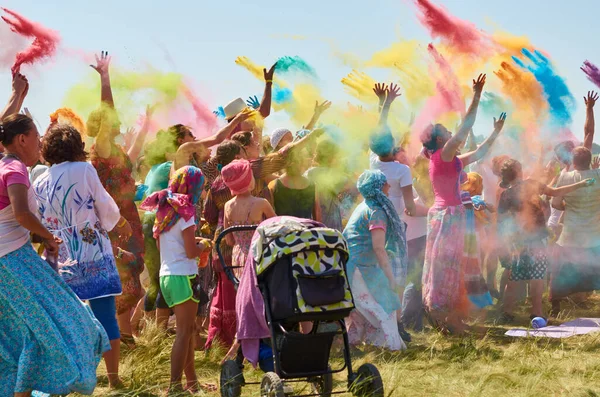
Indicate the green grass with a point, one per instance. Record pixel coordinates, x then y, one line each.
485 363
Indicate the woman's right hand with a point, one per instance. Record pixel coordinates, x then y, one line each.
124 230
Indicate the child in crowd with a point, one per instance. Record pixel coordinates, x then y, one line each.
174 230
242 209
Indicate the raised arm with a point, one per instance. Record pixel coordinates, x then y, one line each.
454 143
392 92
20 87
185 151
102 66
319 110
380 90
482 150
265 105
138 142
589 126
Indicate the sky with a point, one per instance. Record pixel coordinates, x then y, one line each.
201 40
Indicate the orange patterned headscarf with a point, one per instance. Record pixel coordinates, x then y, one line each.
473 184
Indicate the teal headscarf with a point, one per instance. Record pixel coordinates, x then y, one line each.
370 184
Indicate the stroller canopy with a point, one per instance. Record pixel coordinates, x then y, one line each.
286 235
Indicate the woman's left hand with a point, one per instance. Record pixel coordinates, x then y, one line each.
52 246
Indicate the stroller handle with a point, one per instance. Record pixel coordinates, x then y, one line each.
227 269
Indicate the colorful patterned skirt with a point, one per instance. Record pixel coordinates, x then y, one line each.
49 340
452 278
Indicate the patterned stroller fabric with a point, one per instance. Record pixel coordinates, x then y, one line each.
317 257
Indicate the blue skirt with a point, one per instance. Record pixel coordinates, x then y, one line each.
49 340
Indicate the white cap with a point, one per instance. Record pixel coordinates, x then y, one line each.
233 108
277 135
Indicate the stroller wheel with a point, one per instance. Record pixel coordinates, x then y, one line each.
322 385
368 382
231 380
271 386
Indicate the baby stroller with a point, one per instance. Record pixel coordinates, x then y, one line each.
301 273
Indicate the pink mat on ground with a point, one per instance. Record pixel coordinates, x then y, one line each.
580 326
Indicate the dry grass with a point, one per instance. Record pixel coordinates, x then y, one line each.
484 364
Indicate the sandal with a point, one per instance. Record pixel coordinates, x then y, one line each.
128 340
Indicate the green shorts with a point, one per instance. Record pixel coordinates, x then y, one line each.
177 289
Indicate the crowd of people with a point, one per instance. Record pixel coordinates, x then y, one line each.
125 230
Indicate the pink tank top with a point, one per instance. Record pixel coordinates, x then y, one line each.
445 179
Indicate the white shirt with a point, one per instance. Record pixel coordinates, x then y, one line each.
173 259
398 176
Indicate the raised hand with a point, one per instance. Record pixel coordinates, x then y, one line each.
102 63
253 102
499 124
479 83
244 115
591 99
393 92
320 109
20 85
380 90
596 163
269 74
27 113
128 137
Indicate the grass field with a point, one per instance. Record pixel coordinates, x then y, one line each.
486 363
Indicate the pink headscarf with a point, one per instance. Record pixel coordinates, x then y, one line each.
238 176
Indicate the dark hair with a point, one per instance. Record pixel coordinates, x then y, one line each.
62 142
244 138
13 126
326 153
497 163
179 131
509 171
582 157
226 152
430 135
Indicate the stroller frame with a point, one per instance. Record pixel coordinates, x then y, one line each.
365 383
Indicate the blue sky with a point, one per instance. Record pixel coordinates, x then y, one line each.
203 38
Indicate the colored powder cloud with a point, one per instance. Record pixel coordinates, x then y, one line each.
558 95
281 95
525 92
454 32
360 85
592 72
45 41
131 89
447 98
294 64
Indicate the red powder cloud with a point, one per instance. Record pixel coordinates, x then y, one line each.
457 33
45 41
